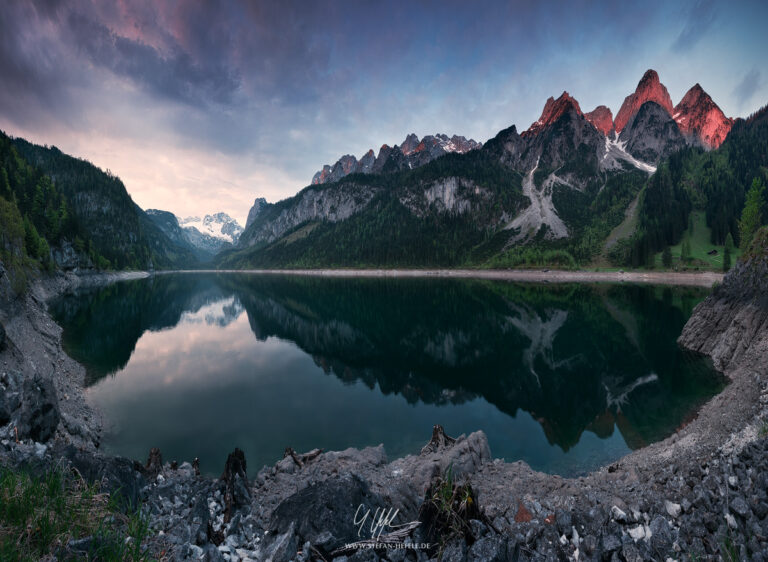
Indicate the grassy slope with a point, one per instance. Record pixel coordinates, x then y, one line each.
700 246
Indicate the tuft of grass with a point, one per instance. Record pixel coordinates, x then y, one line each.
447 510
40 515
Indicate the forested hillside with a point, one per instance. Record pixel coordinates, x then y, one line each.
36 217
714 182
119 229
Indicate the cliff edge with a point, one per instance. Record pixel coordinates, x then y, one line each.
731 325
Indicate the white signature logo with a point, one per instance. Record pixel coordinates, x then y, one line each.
380 520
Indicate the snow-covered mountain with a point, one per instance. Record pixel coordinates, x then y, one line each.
206 237
219 226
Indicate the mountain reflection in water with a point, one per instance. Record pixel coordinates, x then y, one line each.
548 372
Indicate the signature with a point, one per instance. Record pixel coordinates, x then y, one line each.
380 520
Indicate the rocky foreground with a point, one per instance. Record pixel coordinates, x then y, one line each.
700 494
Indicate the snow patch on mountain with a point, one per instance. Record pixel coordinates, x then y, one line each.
219 225
615 151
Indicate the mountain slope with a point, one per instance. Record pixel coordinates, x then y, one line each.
37 226
168 223
715 182
119 229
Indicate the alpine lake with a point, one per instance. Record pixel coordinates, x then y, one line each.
566 377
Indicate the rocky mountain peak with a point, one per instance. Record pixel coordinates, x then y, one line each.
602 119
649 88
258 205
553 110
410 144
699 117
412 153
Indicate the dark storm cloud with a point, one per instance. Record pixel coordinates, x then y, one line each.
175 74
196 53
36 76
745 89
699 20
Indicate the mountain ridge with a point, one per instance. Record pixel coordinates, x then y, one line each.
569 166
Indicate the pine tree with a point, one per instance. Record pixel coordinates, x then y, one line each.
666 257
751 216
685 251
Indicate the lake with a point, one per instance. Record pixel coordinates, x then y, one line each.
564 377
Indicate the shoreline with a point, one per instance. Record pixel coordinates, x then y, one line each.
702 279
605 506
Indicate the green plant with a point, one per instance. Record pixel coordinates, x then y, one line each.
39 515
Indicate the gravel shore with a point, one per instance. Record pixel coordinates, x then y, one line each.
700 279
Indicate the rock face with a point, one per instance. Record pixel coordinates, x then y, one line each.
602 118
553 110
731 325
258 205
411 153
700 118
648 89
652 134
311 204
67 258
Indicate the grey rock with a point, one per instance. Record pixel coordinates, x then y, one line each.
40 415
489 549
661 535
282 546
619 515
672 508
324 513
610 543
740 507
5 408
456 551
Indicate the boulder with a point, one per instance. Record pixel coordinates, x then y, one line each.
39 415
116 474
324 514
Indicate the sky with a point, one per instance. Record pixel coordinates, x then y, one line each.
202 106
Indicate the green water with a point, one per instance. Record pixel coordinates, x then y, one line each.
564 377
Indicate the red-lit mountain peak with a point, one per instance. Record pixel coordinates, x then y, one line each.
553 110
698 116
648 89
602 119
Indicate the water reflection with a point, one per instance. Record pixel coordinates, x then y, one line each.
402 354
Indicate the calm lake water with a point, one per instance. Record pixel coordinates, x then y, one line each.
564 377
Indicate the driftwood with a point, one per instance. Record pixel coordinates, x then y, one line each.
438 441
154 464
397 536
235 478
301 460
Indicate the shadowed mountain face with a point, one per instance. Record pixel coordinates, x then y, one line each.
573 358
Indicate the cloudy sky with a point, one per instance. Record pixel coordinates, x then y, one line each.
203 106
